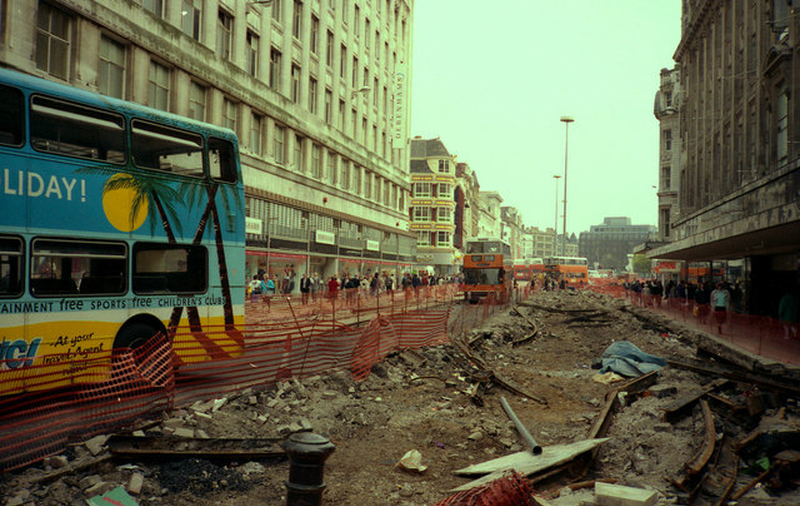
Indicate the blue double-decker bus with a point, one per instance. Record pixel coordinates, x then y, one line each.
117 222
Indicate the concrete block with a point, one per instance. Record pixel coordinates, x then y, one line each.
135 483
608 494
96 444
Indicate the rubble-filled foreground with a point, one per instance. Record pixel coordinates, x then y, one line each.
444 402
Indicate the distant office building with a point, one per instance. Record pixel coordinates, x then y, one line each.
607 246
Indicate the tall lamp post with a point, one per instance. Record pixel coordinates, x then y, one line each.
555 228
566 120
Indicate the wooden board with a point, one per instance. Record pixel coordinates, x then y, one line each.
526 462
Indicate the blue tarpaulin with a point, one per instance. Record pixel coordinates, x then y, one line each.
626 359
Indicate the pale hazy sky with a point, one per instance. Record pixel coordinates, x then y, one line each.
493 78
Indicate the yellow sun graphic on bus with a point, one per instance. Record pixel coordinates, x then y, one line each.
117 205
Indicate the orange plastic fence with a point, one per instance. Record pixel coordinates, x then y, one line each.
282 338
762 335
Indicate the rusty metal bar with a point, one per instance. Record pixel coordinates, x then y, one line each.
699 461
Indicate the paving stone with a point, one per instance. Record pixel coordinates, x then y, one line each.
96 444
135 484
89 481
98 488
609 494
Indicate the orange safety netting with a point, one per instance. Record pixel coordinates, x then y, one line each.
762 335
513 489
283 338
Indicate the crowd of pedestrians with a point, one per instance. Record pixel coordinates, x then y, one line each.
709 302
264 286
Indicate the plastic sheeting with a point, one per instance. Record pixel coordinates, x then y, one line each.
627 359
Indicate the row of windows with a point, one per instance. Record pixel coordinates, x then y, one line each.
281 220
70 129
433 190
65 267
439 215
54 33
438 239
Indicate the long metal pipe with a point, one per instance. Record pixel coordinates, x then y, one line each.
535 448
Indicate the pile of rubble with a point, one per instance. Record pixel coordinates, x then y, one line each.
441 405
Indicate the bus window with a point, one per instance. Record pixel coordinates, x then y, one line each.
12 118
222 160
10 266
169 268
482 276
162 148
73 130
66 267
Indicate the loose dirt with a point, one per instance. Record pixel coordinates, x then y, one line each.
419 401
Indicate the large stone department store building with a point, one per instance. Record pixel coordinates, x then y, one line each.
316 90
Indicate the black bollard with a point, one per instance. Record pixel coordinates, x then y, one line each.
307 454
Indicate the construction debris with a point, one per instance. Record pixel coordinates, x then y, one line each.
445 404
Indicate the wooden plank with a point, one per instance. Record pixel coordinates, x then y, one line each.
525 462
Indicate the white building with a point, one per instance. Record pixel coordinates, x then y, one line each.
489 222
318 92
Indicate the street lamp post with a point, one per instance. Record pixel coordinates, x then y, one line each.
555 227
566 120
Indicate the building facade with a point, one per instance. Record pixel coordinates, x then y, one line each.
511 227
469 186
739 191
667 111
435 202
317 92
489 221
607 246
543 242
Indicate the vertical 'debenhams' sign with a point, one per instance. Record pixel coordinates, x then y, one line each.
399 111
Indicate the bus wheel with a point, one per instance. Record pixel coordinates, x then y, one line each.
134 335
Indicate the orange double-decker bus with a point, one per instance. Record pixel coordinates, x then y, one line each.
488 270
570 269
522 270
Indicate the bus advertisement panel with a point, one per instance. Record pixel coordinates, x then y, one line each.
487 270
117 222
573 270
